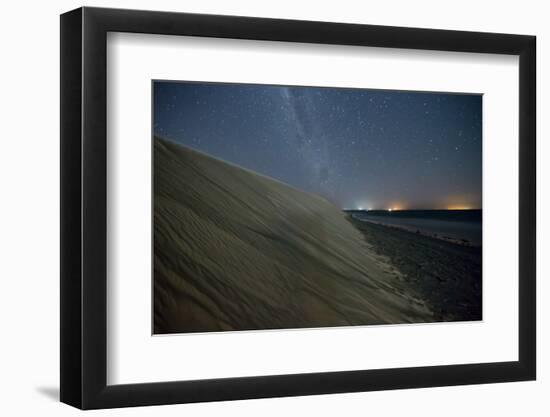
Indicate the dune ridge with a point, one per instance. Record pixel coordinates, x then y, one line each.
234 250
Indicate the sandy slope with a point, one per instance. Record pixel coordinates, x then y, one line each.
236 250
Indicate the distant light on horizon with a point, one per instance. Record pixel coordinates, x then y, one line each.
459 208
406 207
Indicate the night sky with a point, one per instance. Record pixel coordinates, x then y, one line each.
369 149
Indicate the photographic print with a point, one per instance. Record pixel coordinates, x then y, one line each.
284 207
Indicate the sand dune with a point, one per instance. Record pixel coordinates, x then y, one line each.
234 250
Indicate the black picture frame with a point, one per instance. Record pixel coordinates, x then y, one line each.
84 207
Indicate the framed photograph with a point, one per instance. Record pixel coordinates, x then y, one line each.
258 208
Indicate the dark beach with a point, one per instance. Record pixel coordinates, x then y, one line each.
446 275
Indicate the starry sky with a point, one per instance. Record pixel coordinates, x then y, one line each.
358 148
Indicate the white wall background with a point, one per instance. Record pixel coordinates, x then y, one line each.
29 212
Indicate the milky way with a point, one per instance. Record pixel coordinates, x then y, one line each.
355 147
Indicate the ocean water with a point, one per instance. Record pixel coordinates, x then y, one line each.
460 225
